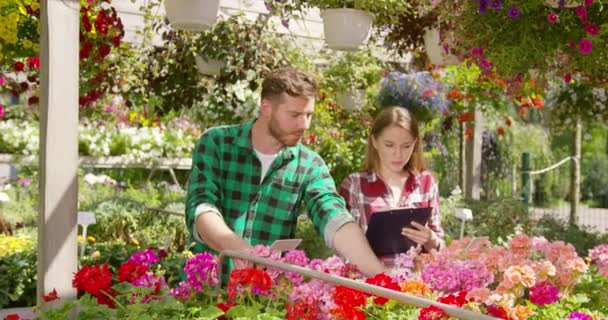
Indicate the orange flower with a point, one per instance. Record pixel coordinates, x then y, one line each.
523 112
508 121
501 83
532 83
538 103
415 287
525 102
454 94
468 134
521 312
500 131
464 117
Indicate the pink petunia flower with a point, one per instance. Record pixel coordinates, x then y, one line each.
582 13
585 46
552 17
592 29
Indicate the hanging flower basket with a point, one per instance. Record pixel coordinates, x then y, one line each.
192 15
566 3
346 29
209 67
351 100
437 52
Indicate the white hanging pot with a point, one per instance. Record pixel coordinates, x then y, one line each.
346 29
209 67
435 50
351 100
192 15
567 3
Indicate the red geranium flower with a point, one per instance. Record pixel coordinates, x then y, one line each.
467 116
12 316
302 310
432 313
33 63
384 281
131 271
52 296
18 66
256 280
347 297
93 279
347 313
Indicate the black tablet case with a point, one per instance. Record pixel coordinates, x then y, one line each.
384 229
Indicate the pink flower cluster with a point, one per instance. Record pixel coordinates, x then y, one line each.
599 256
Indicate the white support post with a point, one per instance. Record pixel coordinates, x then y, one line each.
57 229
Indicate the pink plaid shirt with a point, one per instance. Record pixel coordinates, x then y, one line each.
365 193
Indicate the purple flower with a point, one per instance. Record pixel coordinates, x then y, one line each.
476 52
485 64
1 111
146 257
483 6
544 293
592 29
496 4
25 181
514 12
585 46
552 17
200 270
579 316
582 13
285 23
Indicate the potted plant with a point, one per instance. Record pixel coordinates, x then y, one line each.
418 31
350 75
418 92
347 23
517 36
192 15
238 48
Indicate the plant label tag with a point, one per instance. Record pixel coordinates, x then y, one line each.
86 218
285 245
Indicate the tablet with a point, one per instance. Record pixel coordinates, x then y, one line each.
384 229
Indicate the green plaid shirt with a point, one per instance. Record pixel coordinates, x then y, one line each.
226 176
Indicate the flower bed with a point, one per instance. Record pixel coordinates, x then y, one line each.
527 278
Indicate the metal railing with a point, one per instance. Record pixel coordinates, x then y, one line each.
419 302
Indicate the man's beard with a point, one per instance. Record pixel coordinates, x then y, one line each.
286 138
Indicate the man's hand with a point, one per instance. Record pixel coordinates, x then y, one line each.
422 235
351 244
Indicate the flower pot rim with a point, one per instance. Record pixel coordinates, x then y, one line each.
346 11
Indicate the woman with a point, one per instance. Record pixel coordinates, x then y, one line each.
395 175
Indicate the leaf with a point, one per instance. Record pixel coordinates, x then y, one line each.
242 311
210 312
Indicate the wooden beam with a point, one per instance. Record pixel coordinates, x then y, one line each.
57 229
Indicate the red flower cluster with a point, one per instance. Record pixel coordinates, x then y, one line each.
96 280
131 271
384 281
435 313
302 310
347 302
225 307
52 296
254 280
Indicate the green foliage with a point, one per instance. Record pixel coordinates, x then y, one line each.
312 241
354 70
496 220
567 101
596 179
594 285
527 41
582 239
342 147
18 280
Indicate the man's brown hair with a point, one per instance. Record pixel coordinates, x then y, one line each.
291 81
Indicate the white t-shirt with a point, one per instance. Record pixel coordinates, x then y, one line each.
266 160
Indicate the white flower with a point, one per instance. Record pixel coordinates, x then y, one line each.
4 197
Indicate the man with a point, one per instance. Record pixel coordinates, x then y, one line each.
248 181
